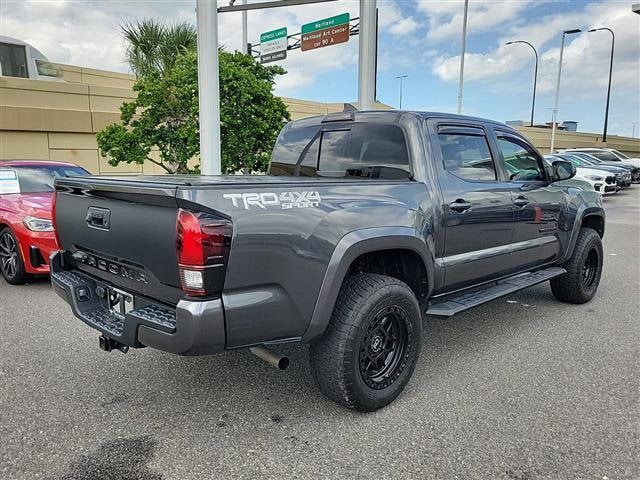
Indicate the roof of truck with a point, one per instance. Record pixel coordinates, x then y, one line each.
387 116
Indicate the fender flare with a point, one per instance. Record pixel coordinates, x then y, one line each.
583 212
350 247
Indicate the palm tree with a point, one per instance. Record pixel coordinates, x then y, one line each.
153 46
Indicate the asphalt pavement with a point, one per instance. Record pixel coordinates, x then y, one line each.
522 388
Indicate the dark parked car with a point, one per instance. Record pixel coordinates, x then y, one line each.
367 221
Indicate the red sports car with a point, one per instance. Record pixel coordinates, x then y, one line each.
26 231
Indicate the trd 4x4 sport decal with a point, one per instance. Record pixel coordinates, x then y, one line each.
282 200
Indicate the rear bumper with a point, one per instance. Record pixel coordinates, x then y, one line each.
191 328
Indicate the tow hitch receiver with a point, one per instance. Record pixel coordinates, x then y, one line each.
107 344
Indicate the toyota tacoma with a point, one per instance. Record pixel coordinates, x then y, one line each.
367 223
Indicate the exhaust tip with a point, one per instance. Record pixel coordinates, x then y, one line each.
281 362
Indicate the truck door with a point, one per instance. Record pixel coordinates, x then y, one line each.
539 204
478 212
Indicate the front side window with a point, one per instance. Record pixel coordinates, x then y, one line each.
467 156
520 160
13 60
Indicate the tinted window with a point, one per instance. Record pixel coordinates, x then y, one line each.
40 179
290 146
606 156
358 150
467 156
13 60
520 160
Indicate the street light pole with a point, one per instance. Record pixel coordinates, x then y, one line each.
464 47
367 55
401 77
208 87
535 75
554 119
606 112
245 35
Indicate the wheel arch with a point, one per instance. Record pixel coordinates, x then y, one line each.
591 217
390 251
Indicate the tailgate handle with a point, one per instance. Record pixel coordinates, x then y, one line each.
99 218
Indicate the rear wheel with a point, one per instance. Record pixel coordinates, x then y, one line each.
11 264
371 345
584 268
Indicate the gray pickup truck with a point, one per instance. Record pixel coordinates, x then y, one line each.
366 222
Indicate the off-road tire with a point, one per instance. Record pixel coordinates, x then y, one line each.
337 360
579 284
15 273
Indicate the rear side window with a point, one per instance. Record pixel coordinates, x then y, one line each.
467 155
357 150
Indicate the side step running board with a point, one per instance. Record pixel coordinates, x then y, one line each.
452 304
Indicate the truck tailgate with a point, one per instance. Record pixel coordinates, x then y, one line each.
122 231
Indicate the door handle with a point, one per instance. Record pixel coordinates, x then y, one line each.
521 201
460 205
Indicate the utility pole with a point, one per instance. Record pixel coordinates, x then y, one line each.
401 78
208 88
633 132
554 118
464 47
367 55
245 35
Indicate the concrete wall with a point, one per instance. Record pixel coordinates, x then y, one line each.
58 121
541 138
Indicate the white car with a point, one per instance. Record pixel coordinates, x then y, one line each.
602 181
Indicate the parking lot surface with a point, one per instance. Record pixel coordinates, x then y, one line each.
521 388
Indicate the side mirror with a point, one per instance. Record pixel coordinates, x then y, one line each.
563 170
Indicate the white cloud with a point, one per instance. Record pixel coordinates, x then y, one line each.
445 18
586 55
87 33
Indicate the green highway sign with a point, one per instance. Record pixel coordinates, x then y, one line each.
326 23
273 45
273 34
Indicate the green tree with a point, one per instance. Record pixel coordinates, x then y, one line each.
165 115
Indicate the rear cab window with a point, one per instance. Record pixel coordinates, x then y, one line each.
354 150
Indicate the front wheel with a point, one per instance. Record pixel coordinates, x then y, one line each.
584 268
11 264
371 345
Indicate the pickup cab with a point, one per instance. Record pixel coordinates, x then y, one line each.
366 223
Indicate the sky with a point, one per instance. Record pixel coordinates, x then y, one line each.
418 38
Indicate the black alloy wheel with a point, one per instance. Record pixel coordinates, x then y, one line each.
383 349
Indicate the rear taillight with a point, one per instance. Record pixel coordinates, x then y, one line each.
53 218
202 243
